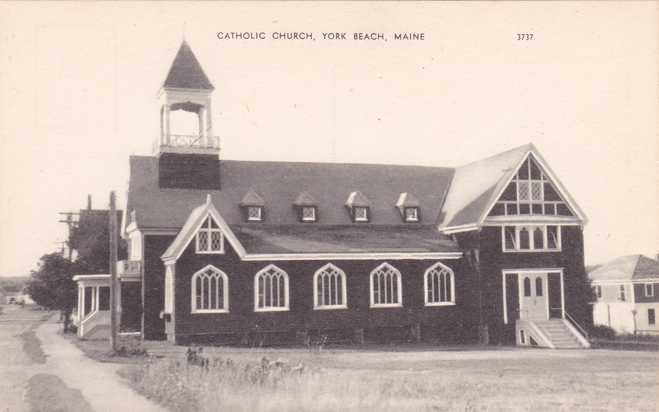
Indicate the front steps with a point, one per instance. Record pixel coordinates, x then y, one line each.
552 333
559 334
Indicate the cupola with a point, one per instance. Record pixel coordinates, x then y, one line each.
187 149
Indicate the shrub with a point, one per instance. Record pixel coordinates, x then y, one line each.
602 332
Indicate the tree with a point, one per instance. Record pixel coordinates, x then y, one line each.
52 285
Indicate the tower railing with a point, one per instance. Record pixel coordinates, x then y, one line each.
185 143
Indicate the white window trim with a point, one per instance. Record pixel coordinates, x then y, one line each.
360 218
425 285
645 290
256 291
531 228
622 290
255 218
308 219
415 218
344 293
399 279
193 290
210 231
598 291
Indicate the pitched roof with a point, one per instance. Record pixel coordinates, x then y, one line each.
186 72
265 239
407 200
357 199
279 183
474 186
305 199
632 267
252 198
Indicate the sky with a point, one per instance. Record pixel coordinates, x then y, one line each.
79 85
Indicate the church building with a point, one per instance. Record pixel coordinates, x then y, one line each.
275 252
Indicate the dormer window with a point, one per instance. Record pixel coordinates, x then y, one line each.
254 213
360 213
359 207
411 214
408 205
306 207
252 205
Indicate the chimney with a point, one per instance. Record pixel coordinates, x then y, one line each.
89 202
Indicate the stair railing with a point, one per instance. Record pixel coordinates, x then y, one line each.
576 324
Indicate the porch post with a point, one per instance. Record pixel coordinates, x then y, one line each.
81 304
562 297
82 307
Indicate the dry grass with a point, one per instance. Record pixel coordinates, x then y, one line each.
409 381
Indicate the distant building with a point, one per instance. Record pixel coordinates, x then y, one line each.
626 294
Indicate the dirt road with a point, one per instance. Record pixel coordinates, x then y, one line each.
41 371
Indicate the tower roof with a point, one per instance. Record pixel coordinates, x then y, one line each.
186 72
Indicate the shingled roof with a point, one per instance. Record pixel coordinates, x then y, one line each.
186 72
626 268
474 186
279 184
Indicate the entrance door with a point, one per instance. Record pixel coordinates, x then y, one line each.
533 296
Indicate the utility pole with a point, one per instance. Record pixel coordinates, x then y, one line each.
71 224
113 272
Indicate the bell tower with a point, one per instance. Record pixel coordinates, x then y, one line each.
187 158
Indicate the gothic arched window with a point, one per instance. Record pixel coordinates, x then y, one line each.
210 291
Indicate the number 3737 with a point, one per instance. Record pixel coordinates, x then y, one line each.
524 36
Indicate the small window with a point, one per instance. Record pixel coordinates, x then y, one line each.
527 286
524 209
621 293
598 291
651 318
308 214
510 238
538 238
524 239
209 237
523 190
538 286
254 213
411 214
649 290
360 213
511 209
552 237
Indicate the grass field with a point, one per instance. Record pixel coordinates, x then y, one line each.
403 380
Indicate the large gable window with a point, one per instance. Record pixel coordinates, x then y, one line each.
386 287
210 291
534 238
209 237
439 286
271 289
530 192
329 286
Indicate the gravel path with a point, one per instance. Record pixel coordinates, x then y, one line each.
42 371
